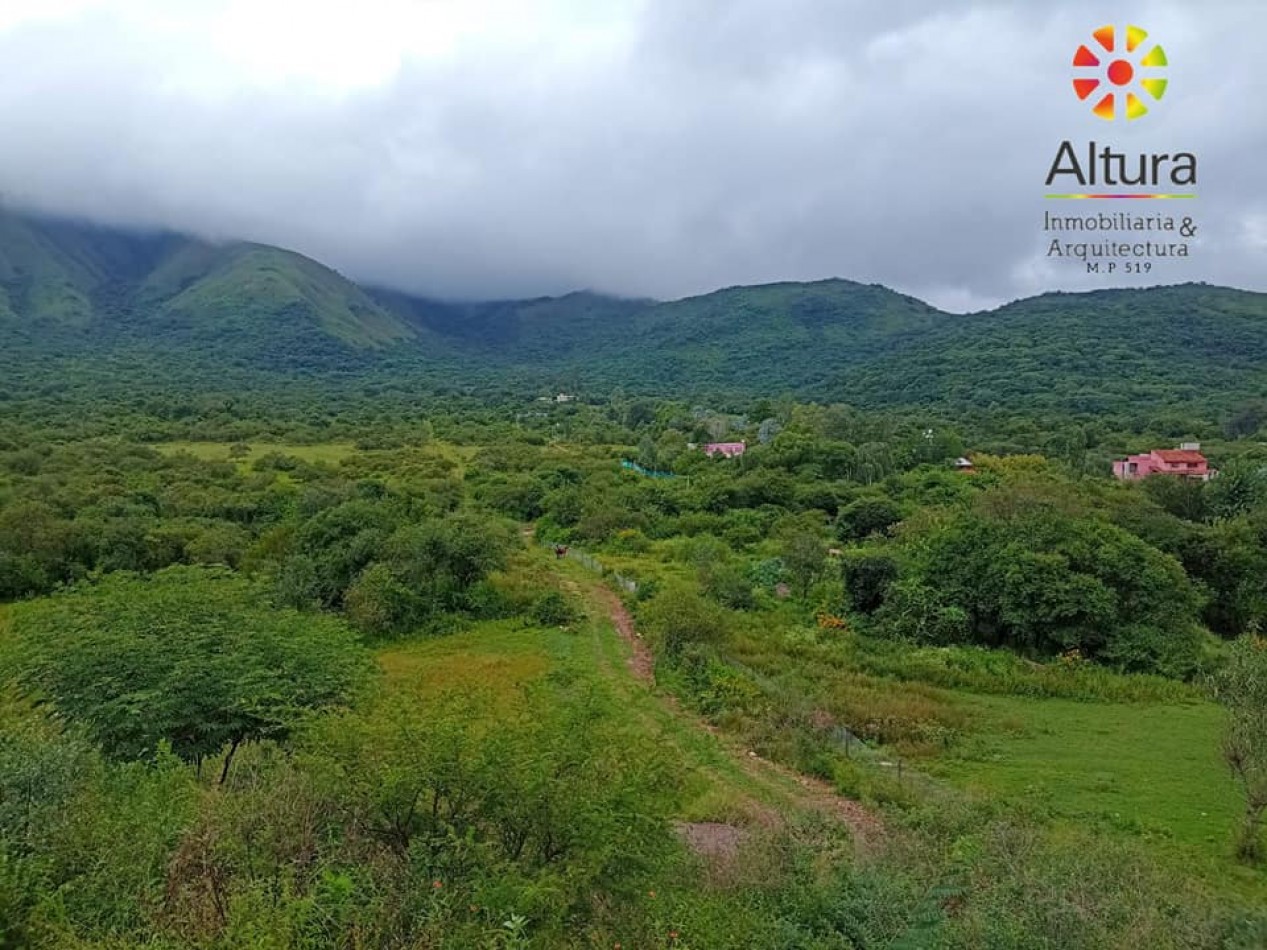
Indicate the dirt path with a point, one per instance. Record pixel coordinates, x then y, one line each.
865 826
641 660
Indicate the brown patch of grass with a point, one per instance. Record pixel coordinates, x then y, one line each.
421 673
497 657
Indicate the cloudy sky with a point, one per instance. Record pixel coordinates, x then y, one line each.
496 148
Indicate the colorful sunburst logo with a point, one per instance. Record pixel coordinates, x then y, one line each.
1130 71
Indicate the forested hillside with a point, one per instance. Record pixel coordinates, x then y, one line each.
73 286
1113 350
76 299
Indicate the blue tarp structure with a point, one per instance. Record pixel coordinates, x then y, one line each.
635 467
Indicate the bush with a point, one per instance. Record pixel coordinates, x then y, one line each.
867 516
1025 572
552 610
1241 686
378 604
630 541
726 584
915 611
678 617
867 576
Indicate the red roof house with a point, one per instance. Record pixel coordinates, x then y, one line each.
729 449
1184 462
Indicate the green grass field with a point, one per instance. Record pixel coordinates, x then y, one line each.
1148 771
1155 770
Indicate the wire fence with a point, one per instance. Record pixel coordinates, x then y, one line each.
588 561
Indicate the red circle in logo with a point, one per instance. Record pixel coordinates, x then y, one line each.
1121 72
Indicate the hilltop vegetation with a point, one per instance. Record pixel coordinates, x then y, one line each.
95 308
68 287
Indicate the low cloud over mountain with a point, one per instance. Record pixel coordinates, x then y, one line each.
488 148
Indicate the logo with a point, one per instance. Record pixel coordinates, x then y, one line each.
1117 77
1119 74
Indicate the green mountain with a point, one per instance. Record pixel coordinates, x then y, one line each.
50 271
1113 350
78 301
1186 345
778 336
769 338
59 276
521 332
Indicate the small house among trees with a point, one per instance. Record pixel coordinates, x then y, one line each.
728 449
1183 462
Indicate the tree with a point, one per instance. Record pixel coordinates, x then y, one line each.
872 514
1242 688
678 617
442 560
648 456
1029 575
220 543
804 554
867 576
377 603
915 611
1238 490
1231 561
1246 419
192 657
726 584
1184 498
334 546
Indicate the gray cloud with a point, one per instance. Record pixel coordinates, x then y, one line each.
665 147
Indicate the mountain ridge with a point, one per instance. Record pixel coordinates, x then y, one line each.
76 274
74 289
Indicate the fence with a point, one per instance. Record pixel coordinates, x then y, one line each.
627 584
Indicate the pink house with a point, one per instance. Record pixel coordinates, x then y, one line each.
1184 462
729 449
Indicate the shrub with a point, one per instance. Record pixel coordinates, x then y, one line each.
678 617
867 576
867 516
553 610
1026 573
1242 688
915 611
726 584
630 541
